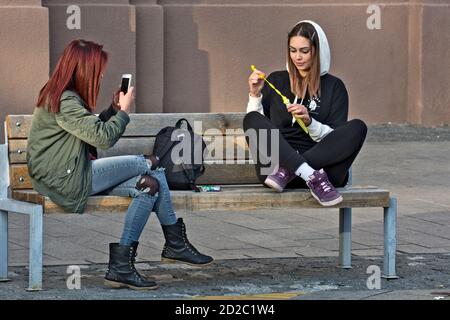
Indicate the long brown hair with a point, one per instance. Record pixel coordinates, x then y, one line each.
312 80
79 68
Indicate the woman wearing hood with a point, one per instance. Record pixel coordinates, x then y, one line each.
320 158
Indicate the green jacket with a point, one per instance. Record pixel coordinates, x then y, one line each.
58 149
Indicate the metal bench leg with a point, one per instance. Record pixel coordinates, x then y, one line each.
36 239
345 238
390 239
3 246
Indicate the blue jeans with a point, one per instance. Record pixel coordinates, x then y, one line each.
118 176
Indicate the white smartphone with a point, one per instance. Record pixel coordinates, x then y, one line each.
125 83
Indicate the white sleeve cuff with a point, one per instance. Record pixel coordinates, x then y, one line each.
254 104
317 130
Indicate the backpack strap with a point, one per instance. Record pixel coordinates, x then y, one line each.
178 124
166 149
189 172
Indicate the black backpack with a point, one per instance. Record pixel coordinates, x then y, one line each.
180 175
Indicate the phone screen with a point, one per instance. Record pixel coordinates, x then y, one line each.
124 85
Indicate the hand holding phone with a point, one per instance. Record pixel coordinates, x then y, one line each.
126 95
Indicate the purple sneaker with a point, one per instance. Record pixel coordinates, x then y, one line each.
322 189
279 178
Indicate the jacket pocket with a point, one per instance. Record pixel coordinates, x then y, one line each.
62 178
67 169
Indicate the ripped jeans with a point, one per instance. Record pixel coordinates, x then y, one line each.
119 176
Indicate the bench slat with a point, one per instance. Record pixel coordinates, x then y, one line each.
228 174
149 124
145 124
214 174
18 177
17 149
144 145
230 198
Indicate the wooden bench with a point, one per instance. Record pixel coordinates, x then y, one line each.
240 188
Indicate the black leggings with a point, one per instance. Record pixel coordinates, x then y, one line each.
335 153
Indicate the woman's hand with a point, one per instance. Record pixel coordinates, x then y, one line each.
115 100
255 83
126 100
300 111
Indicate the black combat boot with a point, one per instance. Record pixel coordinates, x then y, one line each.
178 247
121 272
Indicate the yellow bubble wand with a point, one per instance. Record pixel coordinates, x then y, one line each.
285 100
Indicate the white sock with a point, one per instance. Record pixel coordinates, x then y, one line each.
304 171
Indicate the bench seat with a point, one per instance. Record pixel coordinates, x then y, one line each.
231 197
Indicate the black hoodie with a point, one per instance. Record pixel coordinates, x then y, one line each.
330 108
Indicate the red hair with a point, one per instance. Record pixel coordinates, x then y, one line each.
79 68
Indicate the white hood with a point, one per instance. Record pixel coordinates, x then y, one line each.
325 55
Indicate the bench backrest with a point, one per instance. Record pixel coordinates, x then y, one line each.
222 132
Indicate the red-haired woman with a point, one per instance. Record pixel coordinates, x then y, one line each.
62 165
321 158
